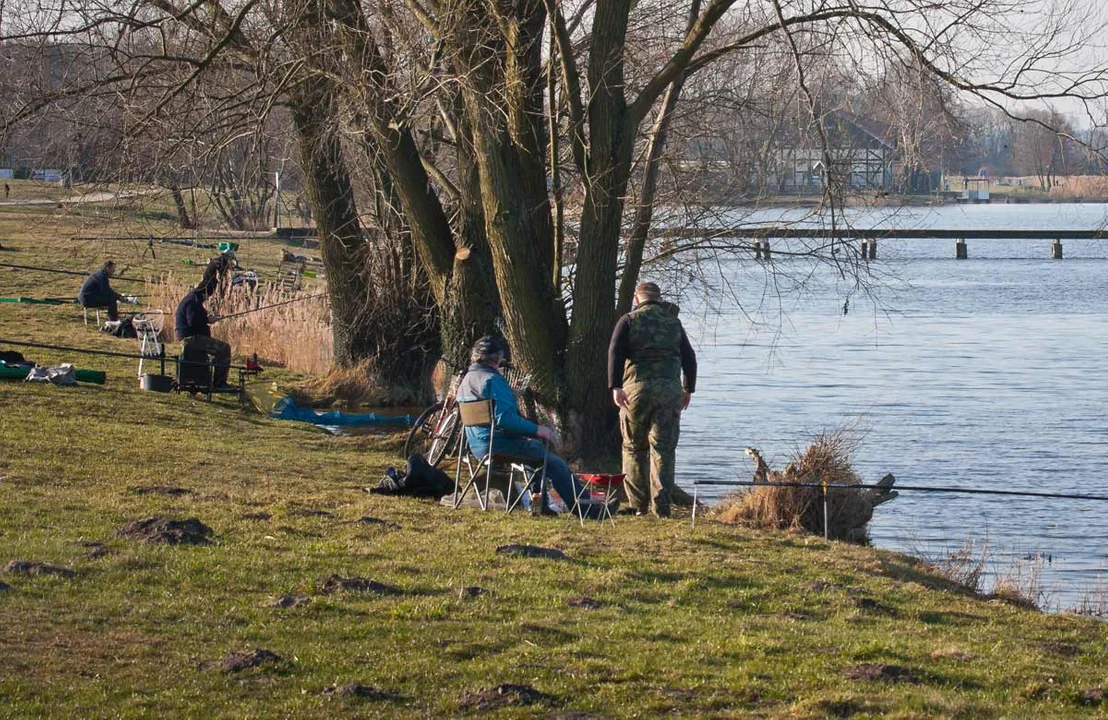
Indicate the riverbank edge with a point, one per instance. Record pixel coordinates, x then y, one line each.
647 617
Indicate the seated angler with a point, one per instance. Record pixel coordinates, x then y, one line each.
193 327
515 434
97 292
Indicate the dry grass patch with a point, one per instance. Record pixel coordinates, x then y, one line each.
826 461
353 386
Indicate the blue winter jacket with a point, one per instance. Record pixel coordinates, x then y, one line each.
512 429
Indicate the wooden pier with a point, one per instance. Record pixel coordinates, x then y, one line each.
761 235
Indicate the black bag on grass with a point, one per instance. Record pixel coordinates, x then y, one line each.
419 480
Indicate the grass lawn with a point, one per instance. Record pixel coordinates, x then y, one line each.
645 618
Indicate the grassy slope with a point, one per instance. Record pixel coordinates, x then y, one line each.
707 621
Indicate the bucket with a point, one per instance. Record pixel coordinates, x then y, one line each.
157 383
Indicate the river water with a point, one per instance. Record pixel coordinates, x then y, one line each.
982 373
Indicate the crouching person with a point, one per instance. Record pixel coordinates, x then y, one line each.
97 292
515 434
193 326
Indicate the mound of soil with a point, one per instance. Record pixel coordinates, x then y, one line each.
583 602
531 551
376 522
163 530
27 567
1092 696
502 696
877 671
358 690
160 490
866 604
94 550
471 591
4 587
1059 648
356 584
237 662
290 601
310 512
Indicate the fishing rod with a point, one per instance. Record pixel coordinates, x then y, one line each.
108 353
67 272
266 307
49 300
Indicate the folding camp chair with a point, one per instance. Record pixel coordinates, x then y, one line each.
602 488
482 413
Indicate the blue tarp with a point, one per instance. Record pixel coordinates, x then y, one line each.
286 409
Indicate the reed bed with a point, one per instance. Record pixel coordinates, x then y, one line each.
1080 187
296 336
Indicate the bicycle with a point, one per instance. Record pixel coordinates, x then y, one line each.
436 429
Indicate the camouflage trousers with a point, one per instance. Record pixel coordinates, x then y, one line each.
651 426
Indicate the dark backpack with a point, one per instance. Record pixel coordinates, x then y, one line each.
421 479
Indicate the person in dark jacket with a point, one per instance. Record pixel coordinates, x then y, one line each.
648 355
515 434
193 326
96 291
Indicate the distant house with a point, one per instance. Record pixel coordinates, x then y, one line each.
861 153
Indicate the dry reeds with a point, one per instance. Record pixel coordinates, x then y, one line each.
354 386
1080 187
825 461
1017 580
296 336
965 566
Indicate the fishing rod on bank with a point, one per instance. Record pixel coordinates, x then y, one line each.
68 272
267 307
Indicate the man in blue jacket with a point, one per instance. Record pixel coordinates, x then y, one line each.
515 434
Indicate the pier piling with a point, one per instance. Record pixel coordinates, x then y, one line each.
960 250
1056 250
873 249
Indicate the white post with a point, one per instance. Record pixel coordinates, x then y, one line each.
277 200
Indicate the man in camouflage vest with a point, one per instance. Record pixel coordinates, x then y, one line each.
648 354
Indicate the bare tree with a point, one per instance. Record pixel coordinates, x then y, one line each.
514 145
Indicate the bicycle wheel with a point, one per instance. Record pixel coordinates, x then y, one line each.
432 434
445 438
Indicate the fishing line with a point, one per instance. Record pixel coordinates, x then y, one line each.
915 488
68 272
107 353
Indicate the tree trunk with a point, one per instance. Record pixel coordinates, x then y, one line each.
509 146
183 219
472 304
340 232
459 270
590 414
